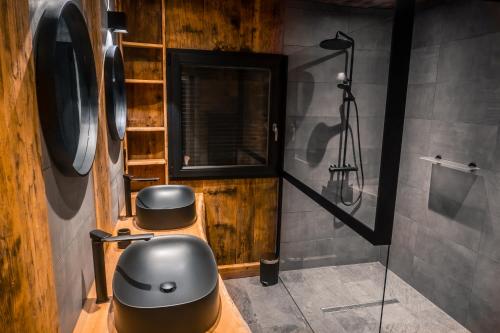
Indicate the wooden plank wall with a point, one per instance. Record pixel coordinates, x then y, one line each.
241 214
27 289
27 292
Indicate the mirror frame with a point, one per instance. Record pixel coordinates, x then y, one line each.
116 98
79 161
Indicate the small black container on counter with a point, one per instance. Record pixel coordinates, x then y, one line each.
121 232
269 269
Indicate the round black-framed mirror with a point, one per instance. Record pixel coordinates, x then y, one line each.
66 84
116 100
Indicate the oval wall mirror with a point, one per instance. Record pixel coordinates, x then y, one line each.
116 101
67 88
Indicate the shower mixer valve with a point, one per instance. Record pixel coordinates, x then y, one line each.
346 168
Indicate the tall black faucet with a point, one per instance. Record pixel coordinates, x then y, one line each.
100 237
127 179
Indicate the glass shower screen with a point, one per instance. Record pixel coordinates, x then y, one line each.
343 120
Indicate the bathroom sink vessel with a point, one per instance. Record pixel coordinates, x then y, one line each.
165 207
167 284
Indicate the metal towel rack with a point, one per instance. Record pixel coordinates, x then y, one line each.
471 167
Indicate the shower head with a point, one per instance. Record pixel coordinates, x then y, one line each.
338 43
335 44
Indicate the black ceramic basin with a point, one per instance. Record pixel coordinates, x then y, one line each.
165 207
167 284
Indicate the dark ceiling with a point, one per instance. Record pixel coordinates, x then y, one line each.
369 3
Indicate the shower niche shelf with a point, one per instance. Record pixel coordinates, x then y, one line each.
438 160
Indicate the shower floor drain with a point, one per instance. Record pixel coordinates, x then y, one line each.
358 306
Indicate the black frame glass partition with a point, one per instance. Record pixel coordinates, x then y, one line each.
232 101
393 120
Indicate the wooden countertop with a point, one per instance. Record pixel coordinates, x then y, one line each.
96 318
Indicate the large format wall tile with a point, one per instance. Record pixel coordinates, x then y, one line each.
464 143
371 99
414 171
477 102
375 35
310 27
309 99
442 290
423 65
420 101
458 206
490 236
468 18
471 60
371 66
304 226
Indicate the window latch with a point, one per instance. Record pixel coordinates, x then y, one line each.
275 130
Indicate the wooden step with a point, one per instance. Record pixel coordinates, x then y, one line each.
142 45
145 129
153 161
141 81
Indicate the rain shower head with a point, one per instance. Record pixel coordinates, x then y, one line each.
337 43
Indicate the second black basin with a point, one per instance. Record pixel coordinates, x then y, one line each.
165 207
167 284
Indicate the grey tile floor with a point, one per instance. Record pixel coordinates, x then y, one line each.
337 299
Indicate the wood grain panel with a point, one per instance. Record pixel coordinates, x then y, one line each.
27 292
241 214
145 105
185 27
143 63
144 20
237 25
145 145
236 271
241 217
146 171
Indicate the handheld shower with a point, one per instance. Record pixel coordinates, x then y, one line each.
344 84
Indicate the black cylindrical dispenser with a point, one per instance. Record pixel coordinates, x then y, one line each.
269 269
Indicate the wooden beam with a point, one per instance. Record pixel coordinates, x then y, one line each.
237 271
27 292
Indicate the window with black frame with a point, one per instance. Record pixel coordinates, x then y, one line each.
224 113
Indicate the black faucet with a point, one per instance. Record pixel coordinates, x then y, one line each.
100 237
127 179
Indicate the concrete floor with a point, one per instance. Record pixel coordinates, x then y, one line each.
337 299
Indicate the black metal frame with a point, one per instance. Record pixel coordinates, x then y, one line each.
275 63
392 137
116 98
54 100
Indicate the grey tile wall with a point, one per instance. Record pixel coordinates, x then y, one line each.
447 225
71 215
